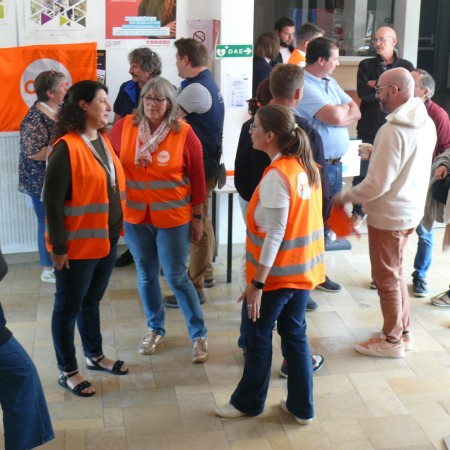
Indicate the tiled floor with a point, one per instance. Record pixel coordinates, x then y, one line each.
166 402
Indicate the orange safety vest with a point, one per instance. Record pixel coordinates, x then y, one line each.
86 214
297 57
163 187
299 263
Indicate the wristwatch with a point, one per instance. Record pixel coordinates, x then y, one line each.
258 284
198 216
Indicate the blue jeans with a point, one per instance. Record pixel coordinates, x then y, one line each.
422 261
150 247
363 167
44 256
79 290
26 420
288 308
335 175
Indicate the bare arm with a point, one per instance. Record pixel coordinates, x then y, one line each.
341 115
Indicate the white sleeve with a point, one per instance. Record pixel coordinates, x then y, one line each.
195 98
274 202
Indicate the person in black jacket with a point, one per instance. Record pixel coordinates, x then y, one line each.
369 70
266 49
26 420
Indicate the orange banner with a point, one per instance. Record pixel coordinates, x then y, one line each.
21 65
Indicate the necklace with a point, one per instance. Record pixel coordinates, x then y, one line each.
48 108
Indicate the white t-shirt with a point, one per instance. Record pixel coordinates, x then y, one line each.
271 213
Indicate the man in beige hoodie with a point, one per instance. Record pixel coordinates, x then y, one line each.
394 194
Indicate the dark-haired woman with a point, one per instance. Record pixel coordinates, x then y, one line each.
35 134
83 193
284 262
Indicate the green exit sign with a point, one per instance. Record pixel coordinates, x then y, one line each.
234 51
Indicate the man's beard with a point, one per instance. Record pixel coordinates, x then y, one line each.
284 44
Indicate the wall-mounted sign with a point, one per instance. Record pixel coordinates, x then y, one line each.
234 51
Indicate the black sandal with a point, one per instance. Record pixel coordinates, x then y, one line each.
114 371
76 390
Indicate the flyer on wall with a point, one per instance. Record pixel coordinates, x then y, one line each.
2 12
140 22
49 19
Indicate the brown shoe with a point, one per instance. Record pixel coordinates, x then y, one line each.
200 352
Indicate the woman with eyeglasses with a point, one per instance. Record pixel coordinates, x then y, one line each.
83 195
165 191
35 134
284 262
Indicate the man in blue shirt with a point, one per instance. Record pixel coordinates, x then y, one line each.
330 110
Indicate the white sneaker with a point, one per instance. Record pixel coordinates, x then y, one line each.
407 339
228 411
381 348
441 300
300 421
48 276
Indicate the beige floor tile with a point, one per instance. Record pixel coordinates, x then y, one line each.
199 440
361 403
106 439
380 398
251 444
139 397
343 431
156 418
113 417
243 429
398 431
197 413
144 440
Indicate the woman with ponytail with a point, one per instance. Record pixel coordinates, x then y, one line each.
284 262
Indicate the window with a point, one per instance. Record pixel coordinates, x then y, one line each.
351 22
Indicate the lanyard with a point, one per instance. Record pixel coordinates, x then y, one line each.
111 169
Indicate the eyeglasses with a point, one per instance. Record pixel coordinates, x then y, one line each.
379 88
253 128
155 100
382 39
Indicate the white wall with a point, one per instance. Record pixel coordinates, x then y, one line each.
406 25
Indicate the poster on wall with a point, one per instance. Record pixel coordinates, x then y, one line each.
2 12
21 65
130 23
49 19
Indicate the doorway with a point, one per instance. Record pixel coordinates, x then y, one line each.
434 36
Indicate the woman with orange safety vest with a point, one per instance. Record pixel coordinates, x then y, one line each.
284 262
83 194
165 191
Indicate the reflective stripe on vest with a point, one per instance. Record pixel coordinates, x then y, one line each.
299 263
303 241
161 189
93 208
86 233
296 269
162 206
86 213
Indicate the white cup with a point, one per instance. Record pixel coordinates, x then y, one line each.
365 150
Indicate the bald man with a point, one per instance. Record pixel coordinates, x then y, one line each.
369 70
393 193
